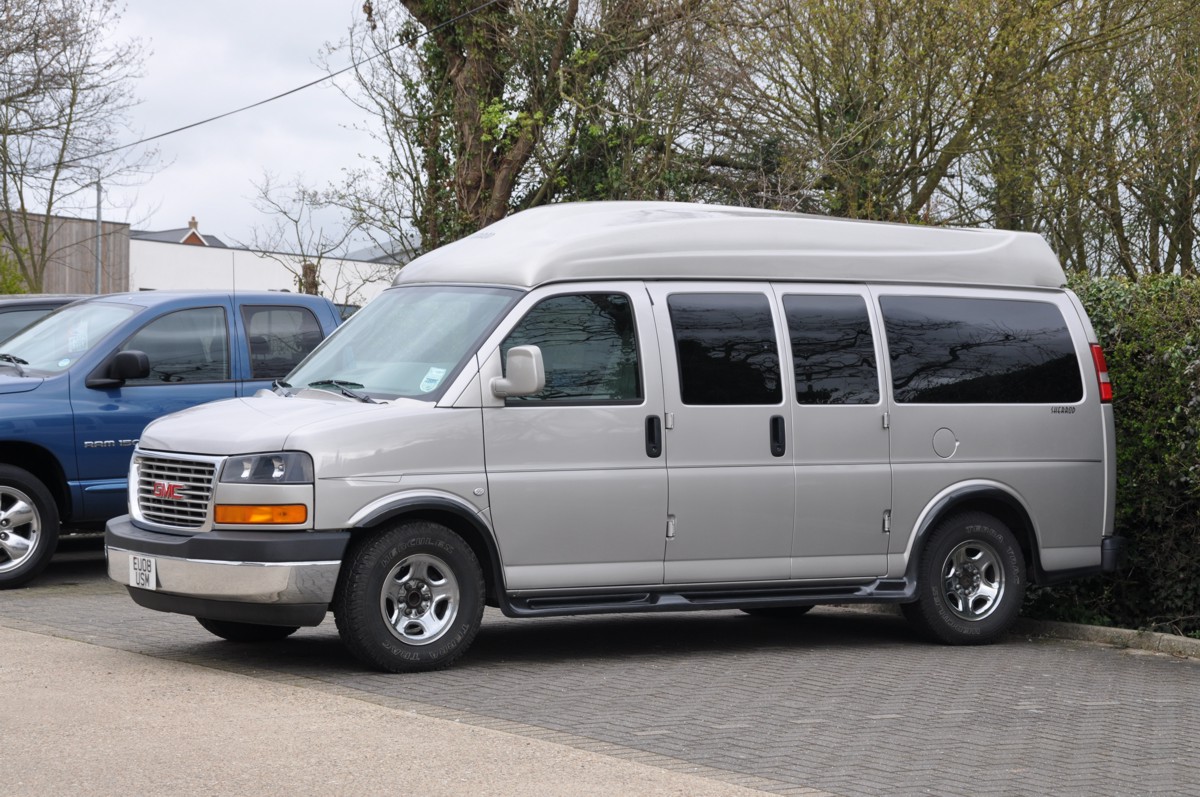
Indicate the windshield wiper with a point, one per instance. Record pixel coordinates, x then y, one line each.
279 384
15 362
345 388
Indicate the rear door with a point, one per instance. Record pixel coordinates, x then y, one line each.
841 441
732 488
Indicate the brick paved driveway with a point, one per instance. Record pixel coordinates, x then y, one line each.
839 702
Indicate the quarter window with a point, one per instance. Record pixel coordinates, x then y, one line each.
589 349
833 352
279 337
726 347
947 350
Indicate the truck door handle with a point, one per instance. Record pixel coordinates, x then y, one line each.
778 436
653 436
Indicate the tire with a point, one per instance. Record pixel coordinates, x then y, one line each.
971 581
29 526
779 612
247 632
410 598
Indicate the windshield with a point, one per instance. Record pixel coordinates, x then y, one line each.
55 342
407 342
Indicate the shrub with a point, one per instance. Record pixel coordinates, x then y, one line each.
1150 331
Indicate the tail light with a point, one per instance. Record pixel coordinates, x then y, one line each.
1106 393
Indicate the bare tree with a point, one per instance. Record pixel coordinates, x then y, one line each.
64 90
300 240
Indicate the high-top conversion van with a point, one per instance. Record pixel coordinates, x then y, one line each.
631 407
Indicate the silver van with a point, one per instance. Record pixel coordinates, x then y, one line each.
635 407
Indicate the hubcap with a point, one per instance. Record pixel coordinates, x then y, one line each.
973 580
20 528
420 599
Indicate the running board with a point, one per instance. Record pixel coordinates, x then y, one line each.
547 605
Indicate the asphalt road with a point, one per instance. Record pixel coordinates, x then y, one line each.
838 702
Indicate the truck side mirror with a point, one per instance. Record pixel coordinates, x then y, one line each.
129 364
526 373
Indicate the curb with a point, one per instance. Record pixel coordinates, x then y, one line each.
1170 644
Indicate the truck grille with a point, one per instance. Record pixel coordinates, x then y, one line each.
174 492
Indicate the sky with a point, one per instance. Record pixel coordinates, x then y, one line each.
207 58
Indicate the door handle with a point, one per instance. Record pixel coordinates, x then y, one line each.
653 436
778 436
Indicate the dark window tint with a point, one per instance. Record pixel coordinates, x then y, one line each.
832 349
979 351
279 337
589 348
185 346
727 348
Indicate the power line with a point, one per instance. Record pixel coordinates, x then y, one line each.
413 40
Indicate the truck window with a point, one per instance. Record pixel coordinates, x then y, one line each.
279 338
833 351
589 349
184 346
959 350
727 349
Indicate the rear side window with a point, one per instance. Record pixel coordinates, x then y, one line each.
279 338
833 352
726 347
589 349
949 350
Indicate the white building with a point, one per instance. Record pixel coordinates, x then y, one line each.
187 259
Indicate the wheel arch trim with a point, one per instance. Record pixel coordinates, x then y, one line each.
436 502
970 492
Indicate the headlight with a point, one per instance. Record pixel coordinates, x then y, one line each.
281 467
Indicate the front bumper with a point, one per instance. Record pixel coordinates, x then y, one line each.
272 578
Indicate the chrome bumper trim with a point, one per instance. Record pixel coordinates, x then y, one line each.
245 582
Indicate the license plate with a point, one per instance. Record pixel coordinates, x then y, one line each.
142 572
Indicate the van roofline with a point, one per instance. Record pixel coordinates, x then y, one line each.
675 240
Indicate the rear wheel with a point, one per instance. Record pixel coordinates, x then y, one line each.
28 526
410 598
247 632
971 581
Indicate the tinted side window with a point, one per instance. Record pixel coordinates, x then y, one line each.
833 352
279 337
589 348
185 346
948 350
726 347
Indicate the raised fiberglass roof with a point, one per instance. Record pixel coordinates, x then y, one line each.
668 240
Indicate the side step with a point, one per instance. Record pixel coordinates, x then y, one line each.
548 605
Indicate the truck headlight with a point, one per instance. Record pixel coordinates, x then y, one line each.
280 467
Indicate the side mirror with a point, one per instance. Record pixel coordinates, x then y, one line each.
526 373
129 364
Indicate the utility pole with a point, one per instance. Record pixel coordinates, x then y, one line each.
99 237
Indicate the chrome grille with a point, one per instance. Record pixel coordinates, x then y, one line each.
174 492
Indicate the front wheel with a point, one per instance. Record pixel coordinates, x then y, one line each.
28 526
971 581
410 598
247 632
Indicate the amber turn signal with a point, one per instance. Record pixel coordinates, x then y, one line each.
277 514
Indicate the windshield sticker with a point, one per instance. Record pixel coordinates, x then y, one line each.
433 378
77 337
64 362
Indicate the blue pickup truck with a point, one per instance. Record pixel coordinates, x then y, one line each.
78 387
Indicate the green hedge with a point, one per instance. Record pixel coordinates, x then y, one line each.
1150 331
